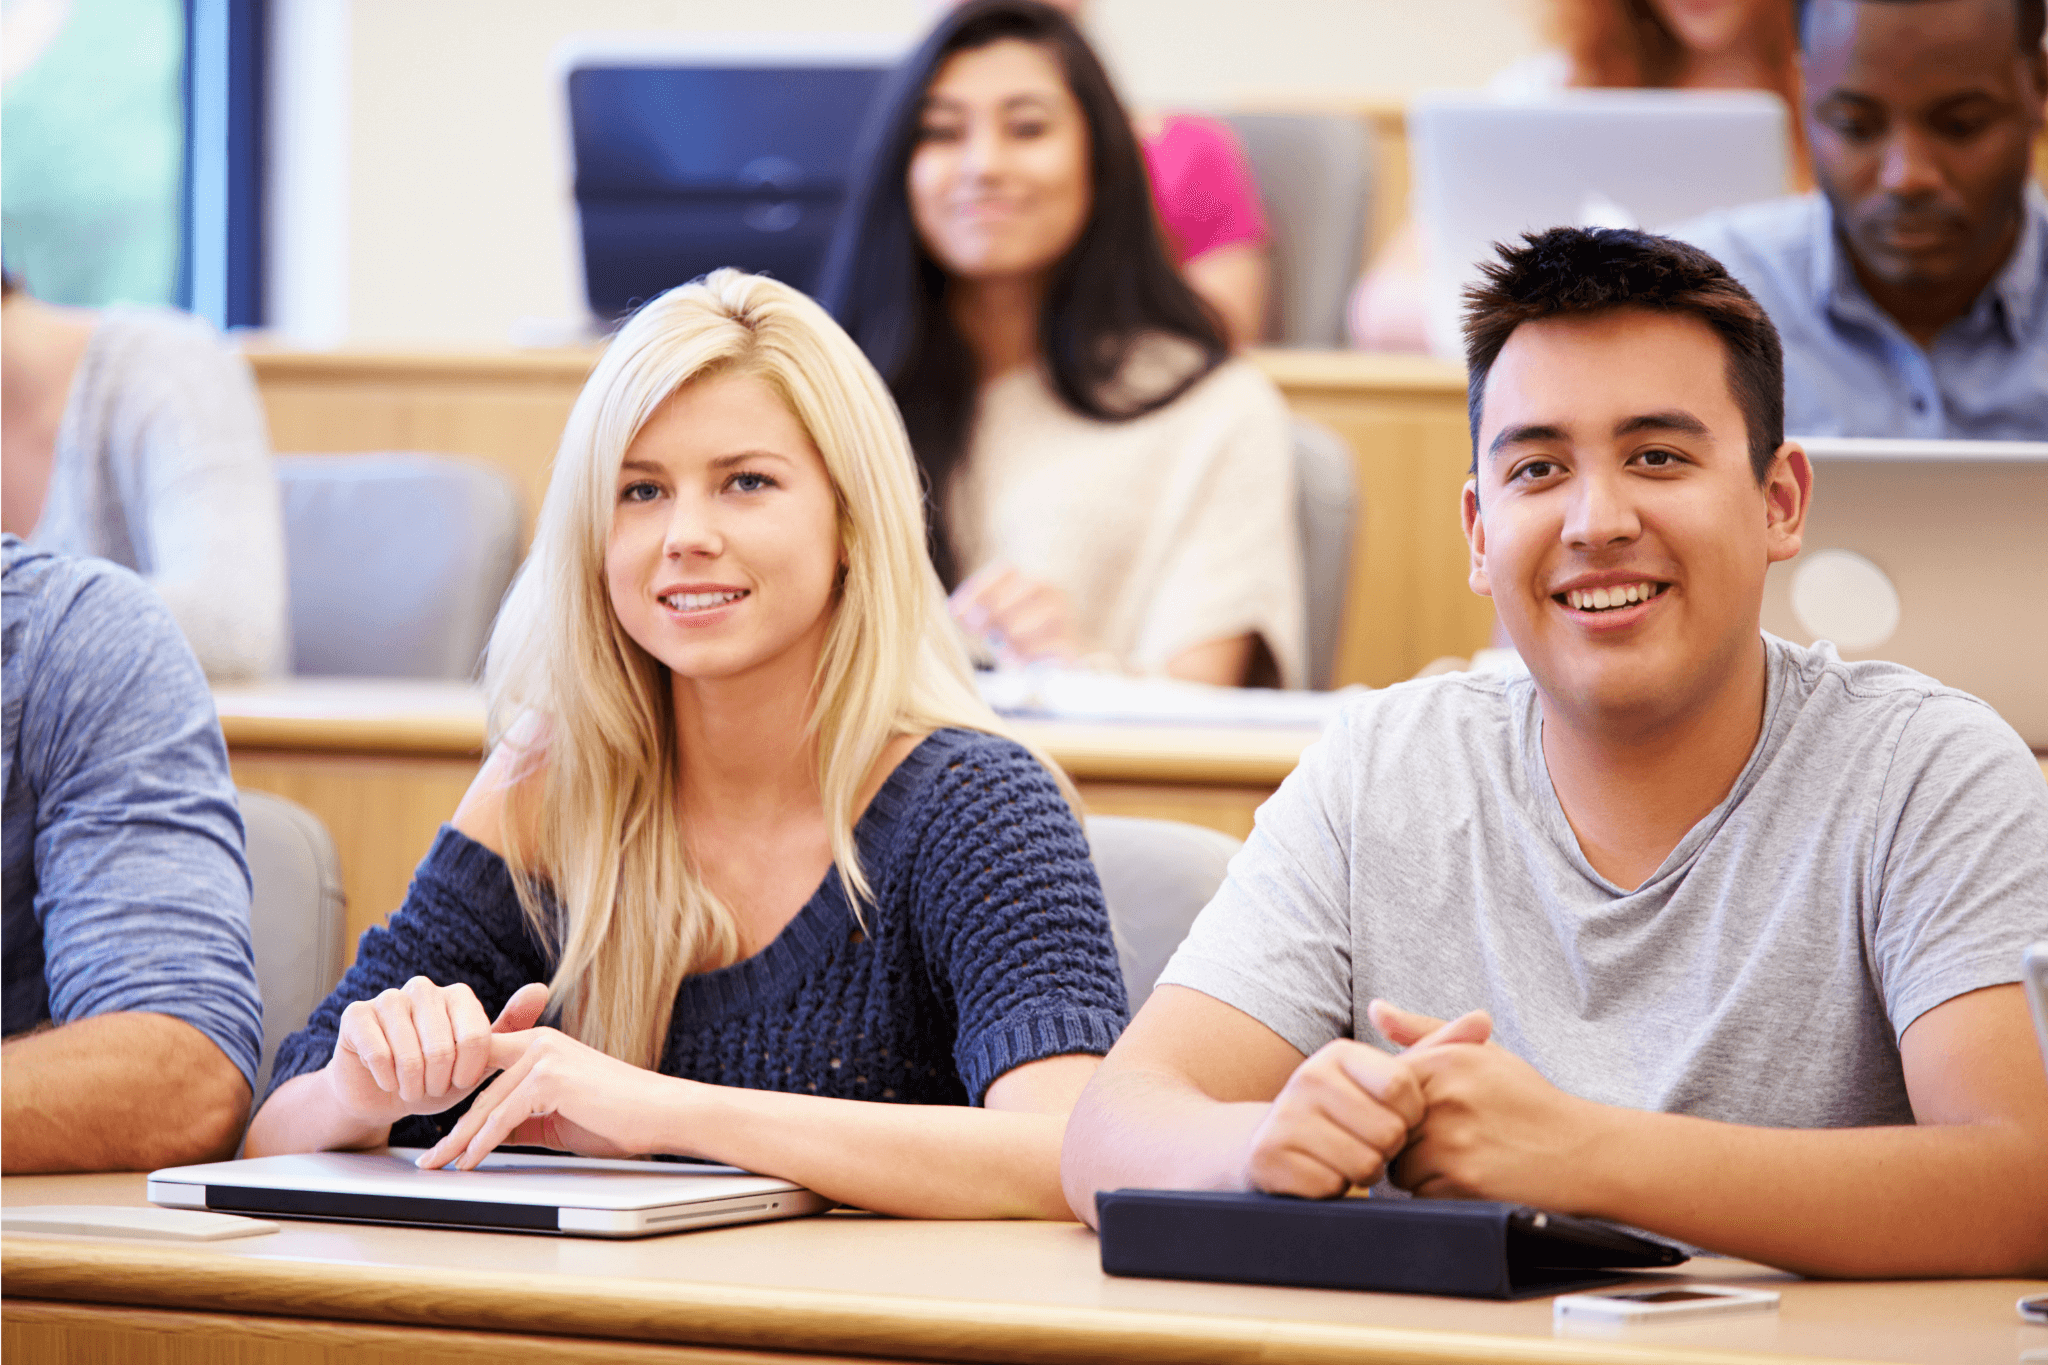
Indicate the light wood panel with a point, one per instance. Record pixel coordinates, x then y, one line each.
1403 417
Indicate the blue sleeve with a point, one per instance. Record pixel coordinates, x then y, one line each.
1013 917
142 889
461 921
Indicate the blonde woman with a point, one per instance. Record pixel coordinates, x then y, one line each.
747 837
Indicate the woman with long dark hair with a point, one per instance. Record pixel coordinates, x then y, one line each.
1107 486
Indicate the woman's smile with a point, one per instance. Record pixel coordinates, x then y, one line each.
699 607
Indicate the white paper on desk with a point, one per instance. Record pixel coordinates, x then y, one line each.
1072 694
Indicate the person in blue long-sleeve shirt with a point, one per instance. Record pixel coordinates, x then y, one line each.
132 1018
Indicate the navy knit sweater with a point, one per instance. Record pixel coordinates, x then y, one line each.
987 946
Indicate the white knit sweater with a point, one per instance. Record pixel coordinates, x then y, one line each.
1165 531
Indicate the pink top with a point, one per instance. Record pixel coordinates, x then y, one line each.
1204 187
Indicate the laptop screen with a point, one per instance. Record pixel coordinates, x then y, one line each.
686 162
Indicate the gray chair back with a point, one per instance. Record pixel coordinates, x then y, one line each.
397 562
1326 486
295 917
1156 876
1315 178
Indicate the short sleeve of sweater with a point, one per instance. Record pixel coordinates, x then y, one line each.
1012 915
1204 187
461 921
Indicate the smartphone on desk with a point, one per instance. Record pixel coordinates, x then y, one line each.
1661 1304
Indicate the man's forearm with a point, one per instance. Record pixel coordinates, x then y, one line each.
1926 1200
117 1092
1144 1130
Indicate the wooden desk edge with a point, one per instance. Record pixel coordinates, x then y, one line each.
752 1317
571 364
1288 366
436 736
1121 753
1304 369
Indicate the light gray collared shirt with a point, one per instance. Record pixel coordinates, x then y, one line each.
1851 370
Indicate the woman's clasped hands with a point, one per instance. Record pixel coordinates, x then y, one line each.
422 1048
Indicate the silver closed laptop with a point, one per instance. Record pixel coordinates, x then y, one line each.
1932 554
1487 170
507 1192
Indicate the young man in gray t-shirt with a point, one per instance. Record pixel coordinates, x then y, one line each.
1727 930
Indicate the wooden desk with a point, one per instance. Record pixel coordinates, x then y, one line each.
847 1285
384 762
1404 417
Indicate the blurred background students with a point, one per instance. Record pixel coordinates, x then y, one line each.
1661 45
1601 44
1209 207
132 1017
1208 203
1107 486
1912 290
135 435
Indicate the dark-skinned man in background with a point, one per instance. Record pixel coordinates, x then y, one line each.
1912 291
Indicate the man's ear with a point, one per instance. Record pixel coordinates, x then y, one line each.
1475 538
1788 492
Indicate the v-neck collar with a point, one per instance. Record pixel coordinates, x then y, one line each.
826 920
1536 772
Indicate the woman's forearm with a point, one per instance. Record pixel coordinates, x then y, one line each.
303 1115
909 1160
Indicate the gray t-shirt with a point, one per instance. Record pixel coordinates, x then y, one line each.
1884 850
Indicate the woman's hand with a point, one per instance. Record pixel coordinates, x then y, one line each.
555 1092
1020 619
420 1049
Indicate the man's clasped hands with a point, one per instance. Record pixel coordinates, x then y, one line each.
1448 1116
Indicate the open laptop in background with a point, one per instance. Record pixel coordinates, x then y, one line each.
1487 170
507 1192
713 150
1933 554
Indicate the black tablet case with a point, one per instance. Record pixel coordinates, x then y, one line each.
1462 1247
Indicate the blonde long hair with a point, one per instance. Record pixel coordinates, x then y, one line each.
592 835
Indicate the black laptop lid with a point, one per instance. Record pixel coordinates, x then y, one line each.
1470 1248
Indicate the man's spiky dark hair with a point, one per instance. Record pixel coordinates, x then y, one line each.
1577 272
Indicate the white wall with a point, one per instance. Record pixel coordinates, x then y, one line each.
456 175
